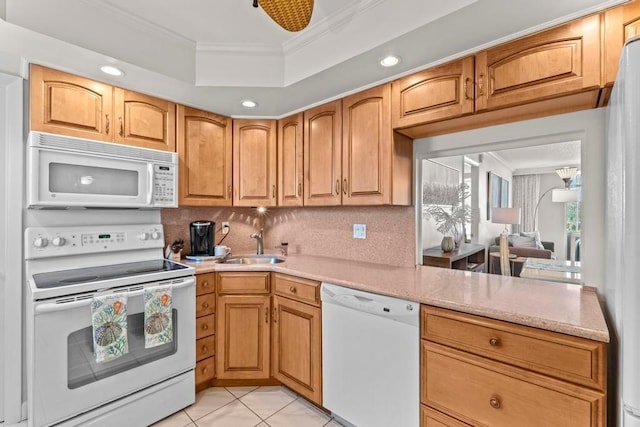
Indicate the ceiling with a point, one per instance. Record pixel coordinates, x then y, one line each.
212 54
540 158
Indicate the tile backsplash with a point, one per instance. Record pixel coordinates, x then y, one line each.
326 231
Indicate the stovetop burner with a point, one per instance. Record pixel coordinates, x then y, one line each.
62 278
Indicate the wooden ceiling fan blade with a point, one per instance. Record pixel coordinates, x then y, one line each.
292 15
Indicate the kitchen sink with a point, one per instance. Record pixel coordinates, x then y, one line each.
254 259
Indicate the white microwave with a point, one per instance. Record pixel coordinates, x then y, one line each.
68 172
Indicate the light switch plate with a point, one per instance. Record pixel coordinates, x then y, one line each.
359 231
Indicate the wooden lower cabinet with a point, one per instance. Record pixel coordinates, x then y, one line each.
477 371
243 332
205 329
297 347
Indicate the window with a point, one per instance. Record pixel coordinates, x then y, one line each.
573 212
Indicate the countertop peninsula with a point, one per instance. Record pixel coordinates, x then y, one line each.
565 308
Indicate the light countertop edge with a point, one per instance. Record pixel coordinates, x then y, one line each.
565 308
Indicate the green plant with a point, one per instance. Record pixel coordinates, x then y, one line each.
450 218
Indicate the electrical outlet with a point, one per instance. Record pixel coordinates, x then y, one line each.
225 227
359 231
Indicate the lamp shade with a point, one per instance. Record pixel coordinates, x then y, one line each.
565 196
505 215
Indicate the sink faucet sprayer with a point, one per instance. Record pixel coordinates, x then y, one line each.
258 237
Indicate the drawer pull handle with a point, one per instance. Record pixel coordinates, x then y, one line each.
106 126
292 290
121 126
344 186
266 315
299 189
495 403
205 305
205 327
494 342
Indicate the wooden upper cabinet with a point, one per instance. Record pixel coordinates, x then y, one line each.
620 24
290 161
204 150
323 155
556 62
65 104
254 162
366 147
144 121
438 93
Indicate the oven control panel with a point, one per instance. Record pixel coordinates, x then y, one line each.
44 242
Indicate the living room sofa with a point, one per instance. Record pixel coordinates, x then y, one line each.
521 251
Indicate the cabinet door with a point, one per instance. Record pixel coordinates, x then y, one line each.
297 347
144 121
243 334
65 104
549 64
620 24
366 147
290 146
204 151
323 155
254 162
438 93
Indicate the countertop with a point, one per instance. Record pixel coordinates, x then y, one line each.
565 308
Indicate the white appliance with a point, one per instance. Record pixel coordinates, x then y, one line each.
623 231
65 268
370 358
66 172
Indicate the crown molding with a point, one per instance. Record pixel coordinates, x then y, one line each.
240 48
139 23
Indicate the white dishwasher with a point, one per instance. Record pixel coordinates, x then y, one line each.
370 358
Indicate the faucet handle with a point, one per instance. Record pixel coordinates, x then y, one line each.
284 247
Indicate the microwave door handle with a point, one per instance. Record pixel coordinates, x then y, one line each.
150 184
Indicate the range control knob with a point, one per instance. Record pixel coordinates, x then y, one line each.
58 241
143 236
40 242
156 235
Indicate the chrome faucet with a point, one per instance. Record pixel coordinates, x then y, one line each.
258 237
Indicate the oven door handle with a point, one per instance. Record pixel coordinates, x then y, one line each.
52 306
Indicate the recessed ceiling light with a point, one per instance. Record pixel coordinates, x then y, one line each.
111 70
249 103
390 61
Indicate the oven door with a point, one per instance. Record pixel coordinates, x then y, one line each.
69 179
65 379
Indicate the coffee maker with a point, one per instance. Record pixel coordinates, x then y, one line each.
202 233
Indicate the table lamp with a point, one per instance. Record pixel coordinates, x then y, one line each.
505 216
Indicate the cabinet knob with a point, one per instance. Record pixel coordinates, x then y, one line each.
292 290
494 402
205 305
205 284
205 327
205 370
494 342
205 349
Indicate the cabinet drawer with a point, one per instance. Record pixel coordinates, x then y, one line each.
483 392
205 370
573 359
297 288
244 283
205 283
429 417
205 304
205 326
205 347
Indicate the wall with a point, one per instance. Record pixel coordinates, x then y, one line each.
309 230
586 126
488 231
551 216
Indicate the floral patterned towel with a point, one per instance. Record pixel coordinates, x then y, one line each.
158 321
109 319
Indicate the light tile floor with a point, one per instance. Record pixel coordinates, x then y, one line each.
249 407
